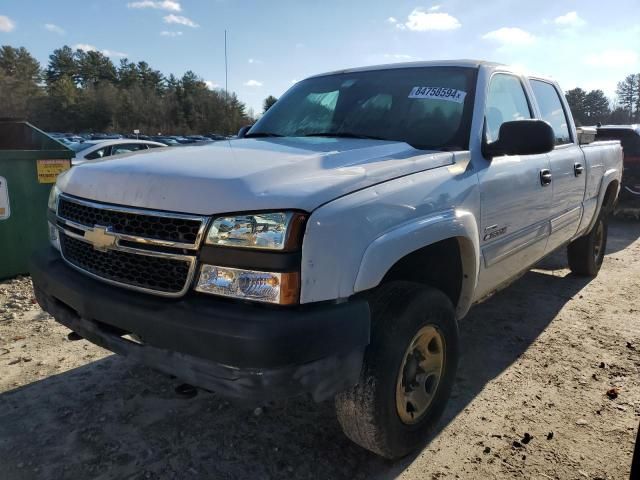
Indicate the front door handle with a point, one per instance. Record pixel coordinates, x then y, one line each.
545 177
578 169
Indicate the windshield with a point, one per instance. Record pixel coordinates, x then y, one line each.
426 107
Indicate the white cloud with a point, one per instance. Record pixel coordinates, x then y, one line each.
54 28
570 19
252 83
435 8
166 33
114 53
421 21
255 61
180 20
168 5
612 58
87 47
6 24
510 36
399 56
392 20
211 85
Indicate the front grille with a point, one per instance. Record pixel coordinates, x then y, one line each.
167 228
154 273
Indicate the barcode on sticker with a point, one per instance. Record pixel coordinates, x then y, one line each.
438 93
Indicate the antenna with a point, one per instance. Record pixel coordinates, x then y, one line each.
226 74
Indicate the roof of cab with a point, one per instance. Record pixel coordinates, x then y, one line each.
432 63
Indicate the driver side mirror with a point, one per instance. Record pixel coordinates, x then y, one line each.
243 130
521 137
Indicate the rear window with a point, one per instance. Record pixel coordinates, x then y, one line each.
551 110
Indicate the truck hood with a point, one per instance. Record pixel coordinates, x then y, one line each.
247 174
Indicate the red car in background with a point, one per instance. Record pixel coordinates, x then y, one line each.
629 136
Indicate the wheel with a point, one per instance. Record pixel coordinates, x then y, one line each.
408 370
586 253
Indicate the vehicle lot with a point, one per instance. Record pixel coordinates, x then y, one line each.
538 358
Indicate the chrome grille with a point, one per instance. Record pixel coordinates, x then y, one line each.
149 272
173 229
138 249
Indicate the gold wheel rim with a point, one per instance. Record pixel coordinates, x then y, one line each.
420 373
599 240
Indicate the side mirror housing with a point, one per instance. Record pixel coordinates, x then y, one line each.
243 130
521 137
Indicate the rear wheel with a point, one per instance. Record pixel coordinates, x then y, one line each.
586 253
408 371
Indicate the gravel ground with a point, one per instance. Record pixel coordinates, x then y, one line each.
548 387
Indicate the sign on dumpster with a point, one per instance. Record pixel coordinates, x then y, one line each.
5 210
48 170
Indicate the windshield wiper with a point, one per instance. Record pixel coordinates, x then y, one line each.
343 135
262 134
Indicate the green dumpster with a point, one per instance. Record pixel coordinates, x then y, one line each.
30 161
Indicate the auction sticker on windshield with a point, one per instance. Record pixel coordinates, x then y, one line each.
438 93
5 210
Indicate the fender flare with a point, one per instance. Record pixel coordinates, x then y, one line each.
611 175
390 247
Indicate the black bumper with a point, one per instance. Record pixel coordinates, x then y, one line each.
237 349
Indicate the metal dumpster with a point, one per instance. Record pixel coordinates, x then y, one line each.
30 161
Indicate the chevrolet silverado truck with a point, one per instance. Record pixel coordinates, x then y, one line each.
334 248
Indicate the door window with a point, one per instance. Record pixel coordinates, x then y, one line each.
506 101
127 148
100 153
551 110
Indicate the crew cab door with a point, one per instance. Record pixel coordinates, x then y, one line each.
515 197
568 168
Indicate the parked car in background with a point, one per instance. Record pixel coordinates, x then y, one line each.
216 136
629 136
95 150
104 136
198 138
168 141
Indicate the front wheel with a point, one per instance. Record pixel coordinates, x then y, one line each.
586 253
408 371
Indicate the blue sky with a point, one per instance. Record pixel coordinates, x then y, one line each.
591 44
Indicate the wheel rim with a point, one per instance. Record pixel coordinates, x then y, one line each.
598 241
420 374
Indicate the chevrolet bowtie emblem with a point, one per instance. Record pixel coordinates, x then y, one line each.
100 238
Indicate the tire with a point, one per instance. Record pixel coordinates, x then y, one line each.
369 412
586 253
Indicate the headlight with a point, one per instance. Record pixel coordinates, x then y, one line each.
281 288
53 198
269 231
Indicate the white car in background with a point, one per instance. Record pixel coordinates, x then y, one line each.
96 150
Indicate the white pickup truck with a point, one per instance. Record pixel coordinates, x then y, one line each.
334 248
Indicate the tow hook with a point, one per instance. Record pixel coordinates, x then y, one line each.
73 336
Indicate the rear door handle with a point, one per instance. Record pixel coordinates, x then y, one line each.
578 169
545 177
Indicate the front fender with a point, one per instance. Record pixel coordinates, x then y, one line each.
389 248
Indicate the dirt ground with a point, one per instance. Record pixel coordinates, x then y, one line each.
530 399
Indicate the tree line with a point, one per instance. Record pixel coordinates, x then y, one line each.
84 91
591 108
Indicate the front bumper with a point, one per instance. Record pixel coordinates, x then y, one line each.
240 350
